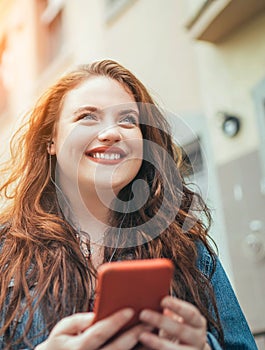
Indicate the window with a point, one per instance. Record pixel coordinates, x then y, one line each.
194 168
116 7
192 157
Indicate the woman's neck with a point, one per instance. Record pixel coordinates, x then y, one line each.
86 213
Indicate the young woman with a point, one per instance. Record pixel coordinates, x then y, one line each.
96 178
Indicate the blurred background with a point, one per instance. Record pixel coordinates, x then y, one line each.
203 61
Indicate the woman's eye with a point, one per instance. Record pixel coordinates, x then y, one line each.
87 116
129 119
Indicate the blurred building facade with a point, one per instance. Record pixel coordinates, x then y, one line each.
202 60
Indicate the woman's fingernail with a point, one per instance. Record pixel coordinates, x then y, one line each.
128 313
144 315
166 302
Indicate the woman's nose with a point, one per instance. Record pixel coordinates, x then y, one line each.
110 134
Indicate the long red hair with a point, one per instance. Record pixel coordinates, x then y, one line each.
40 252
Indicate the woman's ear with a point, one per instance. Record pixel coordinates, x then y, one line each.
51 148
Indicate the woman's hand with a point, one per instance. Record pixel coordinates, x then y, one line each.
181 326
77 332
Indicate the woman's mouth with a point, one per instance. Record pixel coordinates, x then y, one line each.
104 155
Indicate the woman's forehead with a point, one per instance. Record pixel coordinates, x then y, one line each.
98 91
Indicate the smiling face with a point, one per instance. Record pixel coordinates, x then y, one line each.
98 142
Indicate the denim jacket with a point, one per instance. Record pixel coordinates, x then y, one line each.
237 334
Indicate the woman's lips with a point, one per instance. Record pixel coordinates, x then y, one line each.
106 155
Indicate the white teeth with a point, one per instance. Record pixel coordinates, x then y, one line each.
108 156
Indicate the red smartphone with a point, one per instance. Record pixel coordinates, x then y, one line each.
137 284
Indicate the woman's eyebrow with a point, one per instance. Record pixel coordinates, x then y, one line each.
121 112
85 109
128 111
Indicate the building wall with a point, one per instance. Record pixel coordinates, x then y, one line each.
17 64
150 39
228 73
